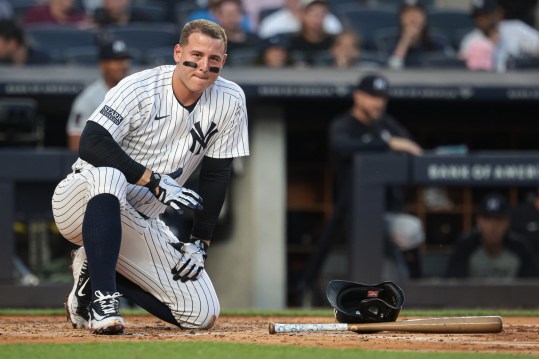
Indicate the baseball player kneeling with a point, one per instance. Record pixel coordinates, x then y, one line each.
137 150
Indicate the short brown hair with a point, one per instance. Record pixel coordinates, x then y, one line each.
205 27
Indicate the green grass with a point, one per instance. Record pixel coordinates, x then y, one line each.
210 350
310 313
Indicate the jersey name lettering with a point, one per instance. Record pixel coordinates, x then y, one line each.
201 138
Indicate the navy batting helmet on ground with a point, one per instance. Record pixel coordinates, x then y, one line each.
365 303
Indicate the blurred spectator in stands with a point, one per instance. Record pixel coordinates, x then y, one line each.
312 40
414 39
256 8
91 5
495 43
117 12
14 50
288 20
346 50
229 14
367 128
6 10
525 222
523 10
114 61
56 12
275 52
490 251
113 12
208 13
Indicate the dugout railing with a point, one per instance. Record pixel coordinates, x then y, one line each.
374 173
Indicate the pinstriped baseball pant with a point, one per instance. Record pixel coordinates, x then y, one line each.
146 256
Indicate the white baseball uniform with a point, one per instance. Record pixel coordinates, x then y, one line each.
153 128
84 105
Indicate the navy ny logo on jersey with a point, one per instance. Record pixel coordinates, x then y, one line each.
201 138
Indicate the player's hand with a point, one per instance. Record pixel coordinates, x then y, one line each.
191 263
169 192
401 144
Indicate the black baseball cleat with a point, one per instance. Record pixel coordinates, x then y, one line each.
105 315
80 297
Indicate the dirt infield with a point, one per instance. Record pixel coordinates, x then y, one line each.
520 335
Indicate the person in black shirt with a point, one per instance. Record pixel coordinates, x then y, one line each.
525 222
312 40
367 128
490 251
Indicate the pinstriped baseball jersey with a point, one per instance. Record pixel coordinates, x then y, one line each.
144 117
153 128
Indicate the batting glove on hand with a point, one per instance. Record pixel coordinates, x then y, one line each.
191 263
172 194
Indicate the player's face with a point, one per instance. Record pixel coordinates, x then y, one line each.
205 52
371 106
114 70
492 229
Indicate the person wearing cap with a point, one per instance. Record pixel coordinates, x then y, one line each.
114 62
366 129
490 250
496 42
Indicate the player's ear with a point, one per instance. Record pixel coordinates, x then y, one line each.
177 53
224 60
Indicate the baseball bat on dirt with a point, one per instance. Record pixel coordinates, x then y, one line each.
473 324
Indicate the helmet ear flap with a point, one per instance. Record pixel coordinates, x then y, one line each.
365 303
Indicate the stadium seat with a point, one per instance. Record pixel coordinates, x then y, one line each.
57 39
20 8
385 38
152 12
368 59
454 24
183 9
365 21
338 7
20 125
81 55
142 37
242 57
442 61
524 63
160 56
395 4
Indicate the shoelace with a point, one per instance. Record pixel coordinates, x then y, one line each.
108 302
84 267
